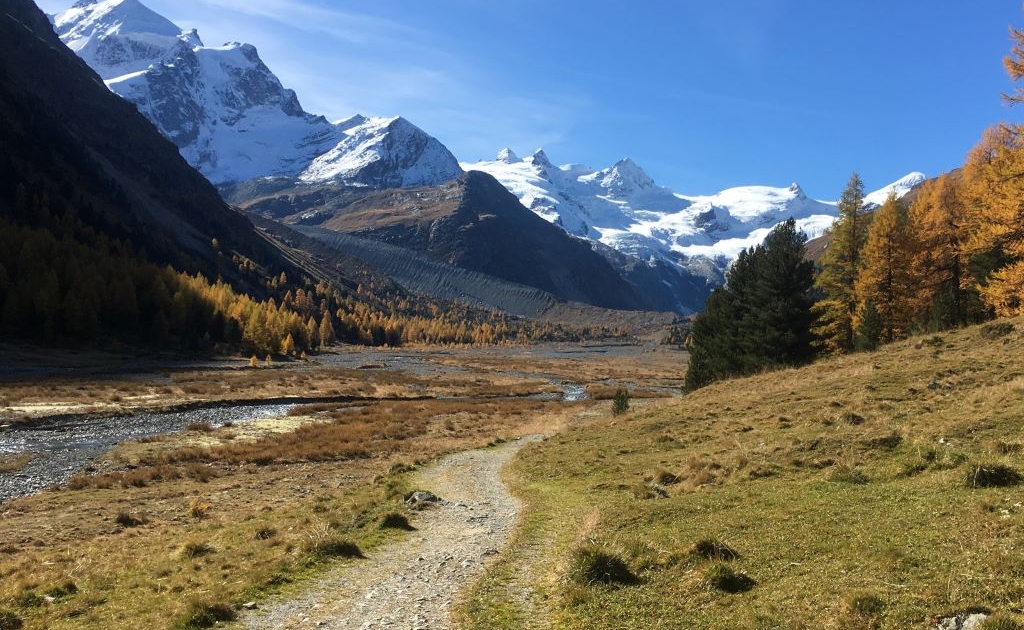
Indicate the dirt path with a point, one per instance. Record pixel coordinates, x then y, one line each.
411 585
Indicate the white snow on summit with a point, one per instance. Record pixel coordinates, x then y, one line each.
119 37
230 116
385 153
621 206
901 187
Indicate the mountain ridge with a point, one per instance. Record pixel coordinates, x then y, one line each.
222 106
624 208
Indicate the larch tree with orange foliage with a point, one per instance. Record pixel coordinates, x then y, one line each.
838 271
994 183
944 289
885 281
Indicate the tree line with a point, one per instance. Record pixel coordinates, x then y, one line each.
65 281
953 255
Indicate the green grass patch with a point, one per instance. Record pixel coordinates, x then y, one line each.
592 564
883 517
205 615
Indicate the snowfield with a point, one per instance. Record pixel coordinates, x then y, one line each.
622 207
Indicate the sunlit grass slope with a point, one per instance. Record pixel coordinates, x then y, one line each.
870 491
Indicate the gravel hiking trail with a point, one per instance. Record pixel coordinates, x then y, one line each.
411 585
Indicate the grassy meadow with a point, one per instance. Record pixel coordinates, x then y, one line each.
870 491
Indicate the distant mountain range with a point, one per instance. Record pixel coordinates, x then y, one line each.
622 207
232 119
229 114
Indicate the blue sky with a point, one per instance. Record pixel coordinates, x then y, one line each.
704 95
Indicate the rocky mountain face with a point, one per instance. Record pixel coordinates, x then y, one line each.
474 223
222 106
623 208
68 141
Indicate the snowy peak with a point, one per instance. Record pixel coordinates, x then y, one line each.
901 187
384 153
625 177
507 156
230 116
118 37
539 158
622 207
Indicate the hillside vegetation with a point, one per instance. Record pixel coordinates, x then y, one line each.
867 491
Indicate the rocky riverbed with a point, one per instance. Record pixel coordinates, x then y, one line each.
62 446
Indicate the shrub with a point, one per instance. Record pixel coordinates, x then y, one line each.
996 330
394 520
200 426
592 564
721 576
711 549
620 402
992 476
206 615
198 508
9 620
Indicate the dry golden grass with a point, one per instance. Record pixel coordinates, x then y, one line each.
251 496
222 515
10 463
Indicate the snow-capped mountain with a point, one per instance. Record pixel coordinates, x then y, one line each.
621 206
229 114
901 187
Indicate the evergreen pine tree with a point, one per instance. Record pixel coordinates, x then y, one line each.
869 328
761 318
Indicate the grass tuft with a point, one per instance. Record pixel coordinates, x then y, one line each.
10 621
332 546
592 564
711 549
127 519
722 577
196 549
999 622
992 476
265 532
863 609
206 615
846 473
395 520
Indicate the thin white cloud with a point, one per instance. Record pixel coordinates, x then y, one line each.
357 28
